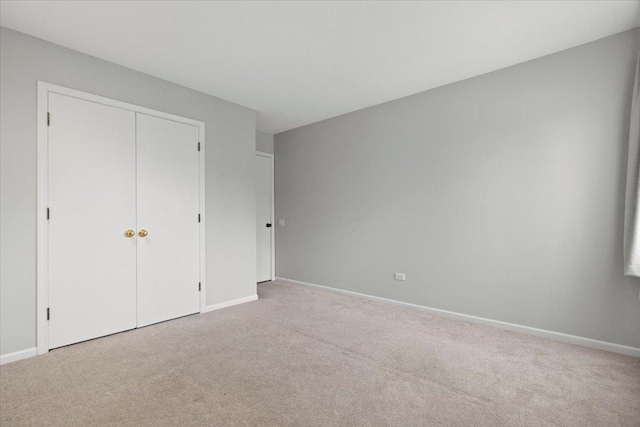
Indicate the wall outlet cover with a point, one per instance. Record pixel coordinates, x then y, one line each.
399 276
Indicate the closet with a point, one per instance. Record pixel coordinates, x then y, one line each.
123 219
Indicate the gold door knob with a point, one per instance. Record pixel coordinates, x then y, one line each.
129 233
143 233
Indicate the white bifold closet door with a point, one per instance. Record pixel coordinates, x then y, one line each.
123 229
92 202
168 209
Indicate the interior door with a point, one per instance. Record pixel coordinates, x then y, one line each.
168 219
92 204
264 221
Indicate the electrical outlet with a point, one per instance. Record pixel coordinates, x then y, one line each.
399 276
281 222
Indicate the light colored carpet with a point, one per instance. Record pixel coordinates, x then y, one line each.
306 357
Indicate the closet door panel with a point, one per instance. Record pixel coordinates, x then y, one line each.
168 207
92 271
263 217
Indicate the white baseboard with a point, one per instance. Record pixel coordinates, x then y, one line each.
558 336
230 303
18 355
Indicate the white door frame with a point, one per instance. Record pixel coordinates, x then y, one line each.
42 241
273 212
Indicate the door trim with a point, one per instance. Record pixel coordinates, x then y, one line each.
273 212
42 241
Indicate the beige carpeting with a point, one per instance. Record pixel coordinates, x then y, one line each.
306 357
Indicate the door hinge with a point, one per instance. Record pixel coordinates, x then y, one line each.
48 312
198 217
47 214
199 286
198 146
48 119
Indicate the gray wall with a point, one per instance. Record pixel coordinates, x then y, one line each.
264 142
230 142
500 196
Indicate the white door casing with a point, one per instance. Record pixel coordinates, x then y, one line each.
92 202
264 217
49 191
168 210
